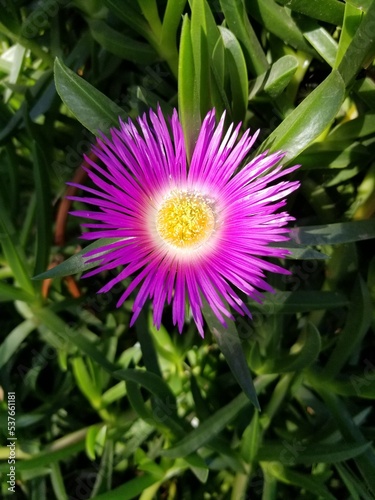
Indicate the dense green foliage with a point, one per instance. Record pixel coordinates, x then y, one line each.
110 412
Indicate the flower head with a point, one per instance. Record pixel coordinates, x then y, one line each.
192 233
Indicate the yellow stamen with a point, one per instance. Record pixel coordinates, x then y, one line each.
185 219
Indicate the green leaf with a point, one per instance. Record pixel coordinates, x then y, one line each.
188 100
278 21
361 50
43 208
122 46
309 483
230 345
310 453
76 263
208 429
301 301
149 381
14 339
330 11
239 24
334 154
251 439
93 109
353 435
9 293
125 10
334 234
353 130
13 253
215 423
199 35
303 353
236 64
352 20
274 81
129 490
358 321
309 119
320 39
85 382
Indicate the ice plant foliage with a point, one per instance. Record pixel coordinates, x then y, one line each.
186 233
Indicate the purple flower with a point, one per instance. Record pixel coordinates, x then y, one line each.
186 233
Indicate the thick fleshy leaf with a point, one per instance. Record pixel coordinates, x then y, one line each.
188 101
239 24
236 64
274 81
331 11
361 50
309 119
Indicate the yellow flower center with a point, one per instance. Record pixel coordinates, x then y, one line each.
185 219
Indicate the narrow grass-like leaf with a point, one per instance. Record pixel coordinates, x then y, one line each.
129 490
14 339
43 209
149 381
13 253
288 476
78 337
85 382
239 24
237 73
230 345
57 482
93 109
358 321
309 119
208 429
122 46
352 434
61 449
310 453
188 100
147 345
199 41
354 485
